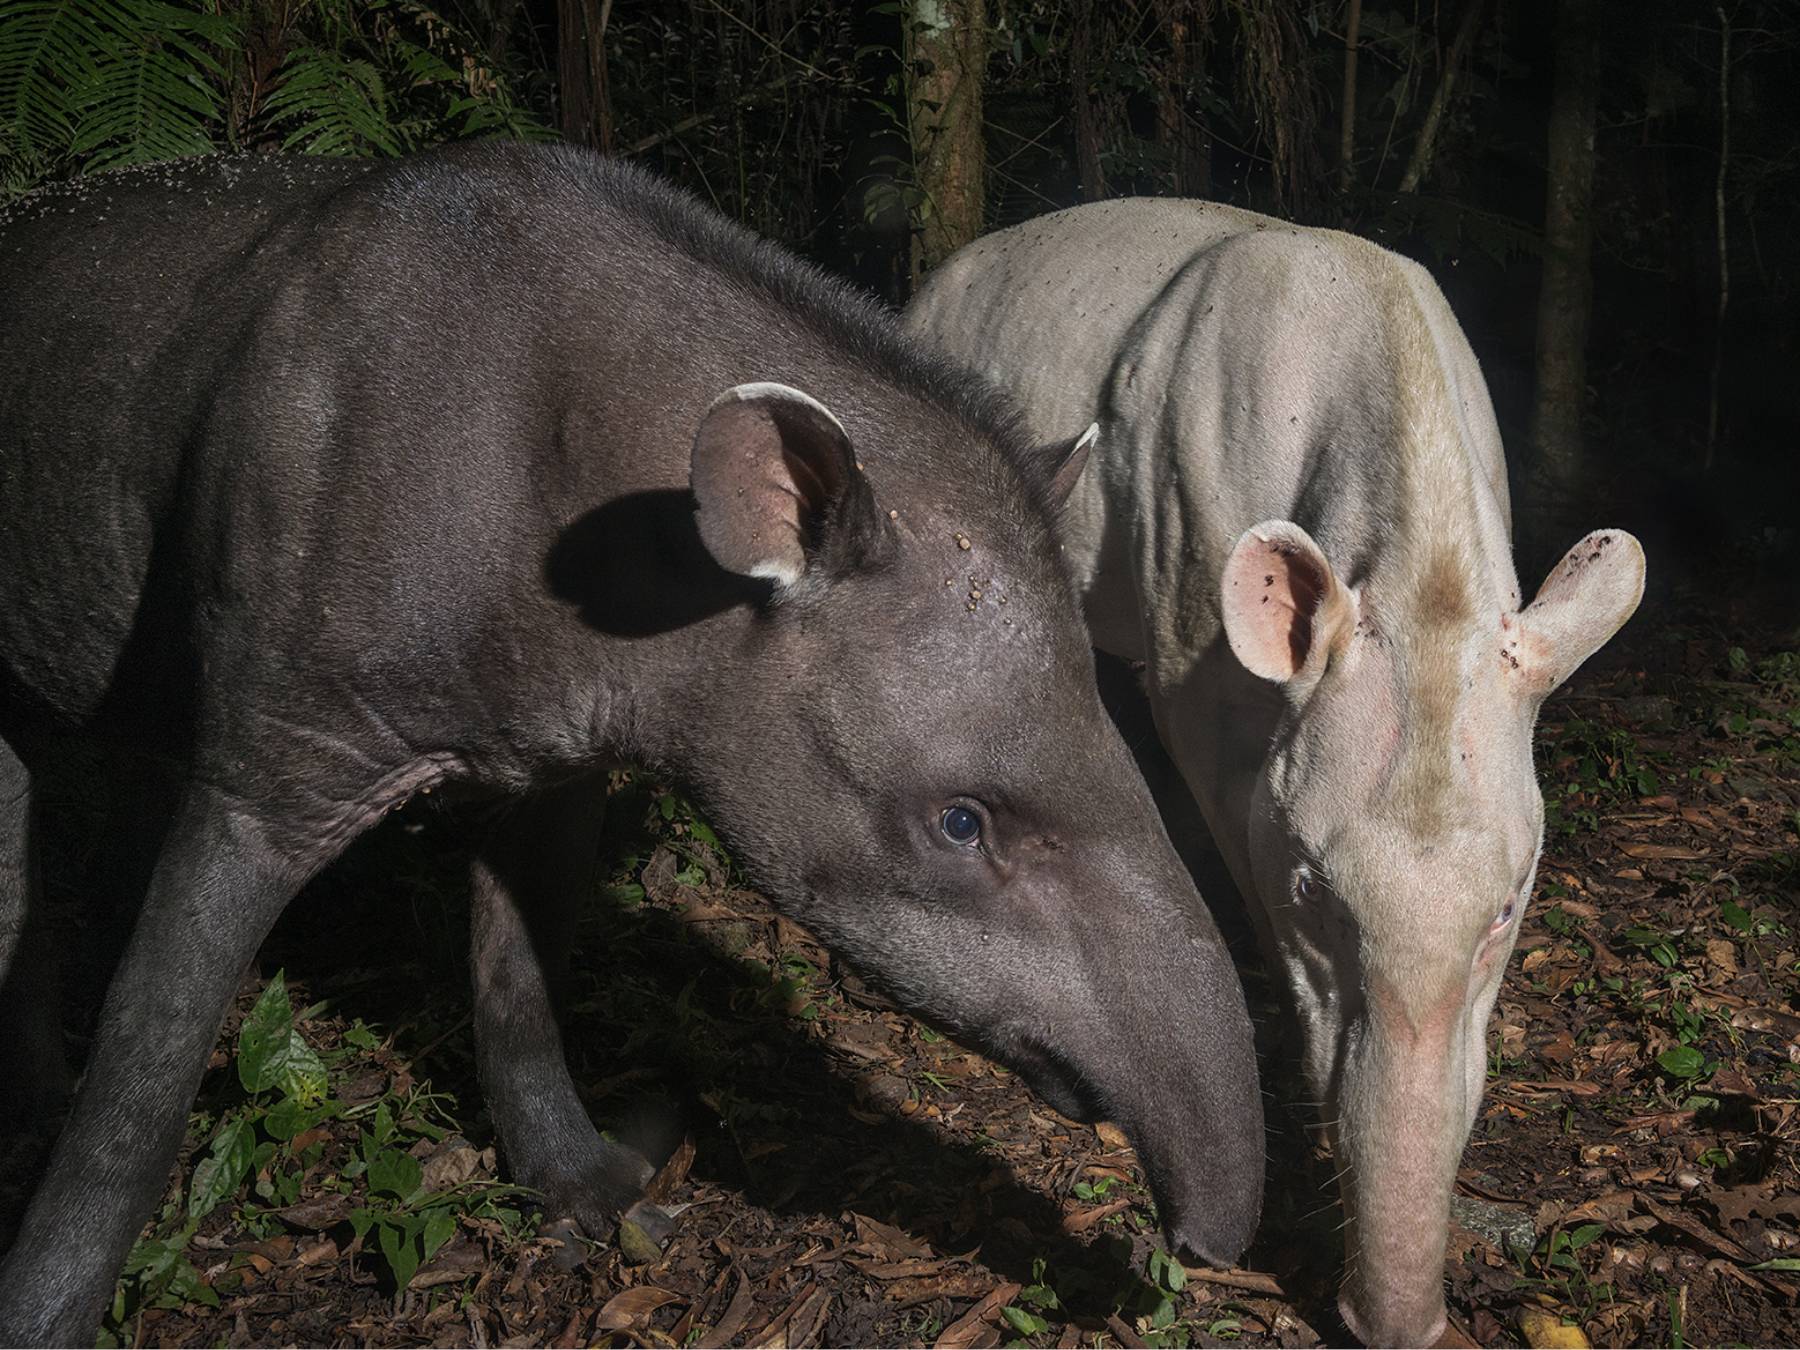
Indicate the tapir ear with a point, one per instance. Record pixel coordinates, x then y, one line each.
777 485
1585 600
1063 463
1284 608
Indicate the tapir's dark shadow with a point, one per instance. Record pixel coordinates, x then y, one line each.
769 1081
636 566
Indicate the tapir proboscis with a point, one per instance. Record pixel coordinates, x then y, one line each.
322 484
1299 521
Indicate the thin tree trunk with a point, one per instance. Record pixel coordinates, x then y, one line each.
1347 135
581 72
1420 163
1712 411
1566 298
1087 124
946 64
1185 23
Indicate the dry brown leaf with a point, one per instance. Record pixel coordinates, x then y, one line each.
887 1242
1083 1219
967 1329
1111 1135
1661 852
743 1303
959 1284
632 1306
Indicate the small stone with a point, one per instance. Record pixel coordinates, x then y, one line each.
893 515
1506 1230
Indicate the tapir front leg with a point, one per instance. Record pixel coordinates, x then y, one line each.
534 870
31 1055
215 891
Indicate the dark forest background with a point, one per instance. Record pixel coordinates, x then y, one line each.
1607 191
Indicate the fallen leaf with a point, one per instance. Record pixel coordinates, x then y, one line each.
1664 852
1111 1135
631 1306
1546 1331
1083 1219
965 1330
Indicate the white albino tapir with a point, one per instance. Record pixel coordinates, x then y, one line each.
1299 521
329 483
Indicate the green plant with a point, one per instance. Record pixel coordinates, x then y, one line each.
94 84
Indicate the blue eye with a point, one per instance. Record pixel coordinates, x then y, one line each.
960 825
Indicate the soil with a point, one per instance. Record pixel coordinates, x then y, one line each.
840 1175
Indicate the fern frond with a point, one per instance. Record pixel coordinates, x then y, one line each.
338 105
154 92
47 51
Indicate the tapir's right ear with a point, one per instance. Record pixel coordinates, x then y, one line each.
1063 463
778 489
1284 608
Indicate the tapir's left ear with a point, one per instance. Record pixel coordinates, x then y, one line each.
778 489
1285 610
1585 600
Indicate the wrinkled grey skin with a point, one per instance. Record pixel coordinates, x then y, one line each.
1299 521
328 484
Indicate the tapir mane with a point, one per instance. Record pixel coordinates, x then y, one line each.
1437 585
995 451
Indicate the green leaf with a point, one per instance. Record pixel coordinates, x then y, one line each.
1163 1314
1683 1061
1023 1321
394 1173
264 1036
1585 1234
440 1224
223 1169
1790 1263
397 1246
1737 916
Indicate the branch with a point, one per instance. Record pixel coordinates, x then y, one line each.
1420 163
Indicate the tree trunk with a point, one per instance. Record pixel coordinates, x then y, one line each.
1420 162
581 72
1087 122
946 64
1347 134
1189 146
1718 355
1566 297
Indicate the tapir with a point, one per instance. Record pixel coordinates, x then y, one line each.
1299 522
326 484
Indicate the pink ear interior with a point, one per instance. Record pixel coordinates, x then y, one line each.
765 467
1275 586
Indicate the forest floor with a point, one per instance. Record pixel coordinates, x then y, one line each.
844 1176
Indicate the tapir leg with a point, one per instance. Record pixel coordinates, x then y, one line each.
31 1053
215 891
529 878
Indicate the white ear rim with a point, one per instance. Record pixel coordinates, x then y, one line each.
759 391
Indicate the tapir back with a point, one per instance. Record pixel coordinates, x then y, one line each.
1237 365
105 390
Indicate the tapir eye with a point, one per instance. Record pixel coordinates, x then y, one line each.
960 826
1305 887
1505 916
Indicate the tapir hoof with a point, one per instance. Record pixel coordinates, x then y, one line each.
590 1197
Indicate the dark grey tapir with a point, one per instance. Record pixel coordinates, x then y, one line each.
330 483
